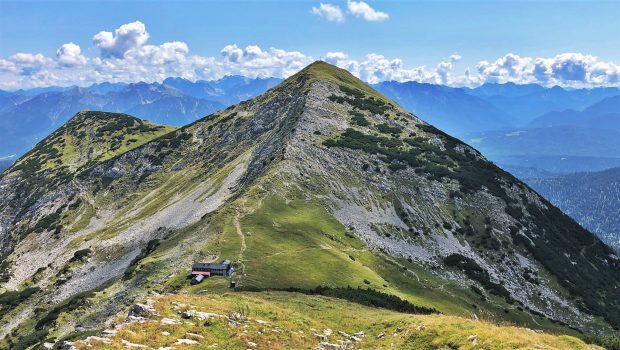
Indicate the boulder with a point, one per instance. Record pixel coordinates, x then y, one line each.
93 338
67 345
169 321
131 345
108 332
138 312
184 341
332 346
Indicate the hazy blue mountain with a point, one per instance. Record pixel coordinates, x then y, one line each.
604 114
506 90
26 123
5 164
557 118
175 110
105 87
528 172
554 165
592 199
551 141
453 110
526 102
28 116
11 99
558 149
36 91
159 103
228 90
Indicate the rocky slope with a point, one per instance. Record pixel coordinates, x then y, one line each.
319 181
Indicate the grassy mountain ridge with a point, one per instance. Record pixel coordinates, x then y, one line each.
86 140
278 320
319 181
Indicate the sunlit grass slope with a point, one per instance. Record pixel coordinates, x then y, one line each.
279 320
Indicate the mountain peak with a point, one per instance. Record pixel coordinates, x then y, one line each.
323 70
87 115
89 136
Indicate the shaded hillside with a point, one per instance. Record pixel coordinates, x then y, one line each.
321 181
592 199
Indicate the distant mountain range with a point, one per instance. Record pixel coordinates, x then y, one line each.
527 102
227 91
559 149
592 199
518 126
4 164
461 111
454 110
604 114
28 116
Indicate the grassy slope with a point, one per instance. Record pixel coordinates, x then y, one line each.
292 318
294 242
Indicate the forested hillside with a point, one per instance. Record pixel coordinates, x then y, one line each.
593 199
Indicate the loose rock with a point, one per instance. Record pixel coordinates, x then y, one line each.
184 341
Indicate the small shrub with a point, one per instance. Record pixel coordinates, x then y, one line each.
80 255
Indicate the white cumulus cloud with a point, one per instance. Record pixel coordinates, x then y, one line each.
363 10
566 69
23 63
126 57
510 67
126 37
330 12
70 55
254 61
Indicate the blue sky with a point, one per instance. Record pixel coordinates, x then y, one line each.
418 33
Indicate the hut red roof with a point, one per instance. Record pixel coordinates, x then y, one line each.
205 273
